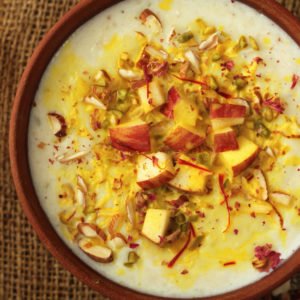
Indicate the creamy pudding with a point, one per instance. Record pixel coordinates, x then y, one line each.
163 145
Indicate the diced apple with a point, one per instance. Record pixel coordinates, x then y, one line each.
156 224
191 176
154 170
184 138
155 98
226 115
186 112
225 140
241 159
131 136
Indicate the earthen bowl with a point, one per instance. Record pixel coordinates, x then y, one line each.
28 86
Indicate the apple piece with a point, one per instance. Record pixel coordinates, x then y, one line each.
190 177
281 198
154 99
96 252
225 140
168 108
186 112
184 138
226 115
156 224
240 101
131 136
58 124
154 170
241 159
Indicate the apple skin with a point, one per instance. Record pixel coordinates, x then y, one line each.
245 164
157 181
225 141
154 170
131 138
227 111
181 139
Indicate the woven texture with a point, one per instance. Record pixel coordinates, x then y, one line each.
27 270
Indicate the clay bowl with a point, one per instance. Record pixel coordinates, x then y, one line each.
28 85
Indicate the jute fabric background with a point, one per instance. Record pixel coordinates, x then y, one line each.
27 270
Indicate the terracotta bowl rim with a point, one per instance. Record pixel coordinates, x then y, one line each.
18 151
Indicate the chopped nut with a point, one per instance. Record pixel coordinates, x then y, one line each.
253 43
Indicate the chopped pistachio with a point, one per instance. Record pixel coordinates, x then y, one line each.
253 43
193 218
216 57
185 37
209 30
268 114
262 129
196 243
242 42
250 124
180 219
204 158
240 83
131 259
105 124
184 227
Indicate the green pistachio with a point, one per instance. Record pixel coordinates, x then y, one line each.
242 42
216 57
213 83
185 37
196 242
240 83
268 114
253 43
131 259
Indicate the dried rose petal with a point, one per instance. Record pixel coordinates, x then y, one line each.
295 80
265 258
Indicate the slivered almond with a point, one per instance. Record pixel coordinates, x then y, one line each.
58 124
191 57
210 43
156 53
80 197
151 20
96 252
81 184
117 242
95 102
281 198
130 208
130 75
259 175
65 158
102 74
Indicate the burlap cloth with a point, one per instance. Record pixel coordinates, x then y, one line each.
27 270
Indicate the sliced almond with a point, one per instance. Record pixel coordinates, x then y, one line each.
261 207
240 101
58 124
210 43
156 53
259 175
96 252
191 57
151 20
91 230
270 152
88 230
281 198
65 158
95 102
114 224
130 75
67 216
